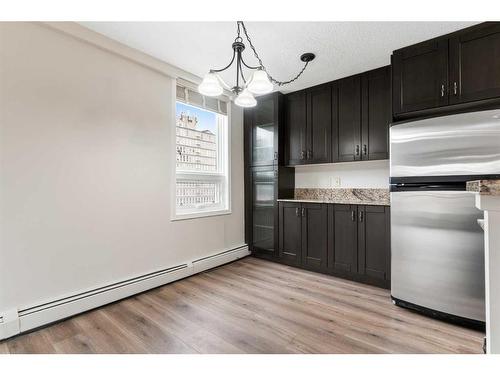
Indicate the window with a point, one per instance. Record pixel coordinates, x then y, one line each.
202 183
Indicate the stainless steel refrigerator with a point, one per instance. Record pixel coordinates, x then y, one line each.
437 245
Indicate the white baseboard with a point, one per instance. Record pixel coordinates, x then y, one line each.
13 322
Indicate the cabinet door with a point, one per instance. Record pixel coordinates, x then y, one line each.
344 239
296 121
264 133
314 235
374 242
263 202
376 114
475 64
290 242
319 125
420 77
348 125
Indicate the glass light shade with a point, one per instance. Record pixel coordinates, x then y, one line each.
245 99
260 84
210 85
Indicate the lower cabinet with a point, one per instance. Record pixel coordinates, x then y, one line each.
290 226
374 243
343 238
314 235
350 241
303 234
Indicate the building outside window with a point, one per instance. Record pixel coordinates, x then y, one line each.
201 161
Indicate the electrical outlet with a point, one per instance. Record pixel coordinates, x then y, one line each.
336 181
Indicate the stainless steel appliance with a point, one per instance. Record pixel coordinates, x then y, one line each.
437 260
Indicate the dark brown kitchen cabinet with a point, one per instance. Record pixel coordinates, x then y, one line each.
420 76
296 125
314 235
359 243
319 124
449 74
266 179
303 234
347 127
376 113
309 126
374 258
475 64
363 107
349 241
343 237
290 232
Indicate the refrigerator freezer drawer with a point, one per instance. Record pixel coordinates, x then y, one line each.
458 145
438 252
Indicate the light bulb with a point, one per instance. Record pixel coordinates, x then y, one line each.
260 84
245 99
210 85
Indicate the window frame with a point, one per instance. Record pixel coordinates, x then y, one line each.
223 175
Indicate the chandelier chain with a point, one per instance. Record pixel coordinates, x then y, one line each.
279 83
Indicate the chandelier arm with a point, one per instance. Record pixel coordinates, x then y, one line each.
248 66
226 86
279 83
242 75
238 68
226 67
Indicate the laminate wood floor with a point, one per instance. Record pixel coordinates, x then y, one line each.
251 306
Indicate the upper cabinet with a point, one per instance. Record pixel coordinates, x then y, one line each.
319 124
460 69
420 77
376 113
309 126
475 64
345 120
363 107
347 127
263 131
296 124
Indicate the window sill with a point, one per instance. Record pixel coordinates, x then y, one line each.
199 215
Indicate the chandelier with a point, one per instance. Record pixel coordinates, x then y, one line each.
261 82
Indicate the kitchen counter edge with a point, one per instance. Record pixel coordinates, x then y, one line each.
360 202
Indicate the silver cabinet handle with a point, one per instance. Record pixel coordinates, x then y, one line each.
302 155
303 212
357 150
309 154
455 88
353 215
275 155
365 150
297 211
442 90
361 216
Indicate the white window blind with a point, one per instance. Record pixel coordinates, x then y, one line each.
189 95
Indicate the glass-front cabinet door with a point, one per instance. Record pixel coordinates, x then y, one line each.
263 150
263 204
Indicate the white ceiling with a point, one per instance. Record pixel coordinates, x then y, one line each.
341 48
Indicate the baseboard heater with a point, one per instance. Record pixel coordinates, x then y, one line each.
15 321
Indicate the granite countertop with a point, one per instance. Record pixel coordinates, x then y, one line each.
376 197
484 187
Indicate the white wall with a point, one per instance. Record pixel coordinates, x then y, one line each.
365 174
85 170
